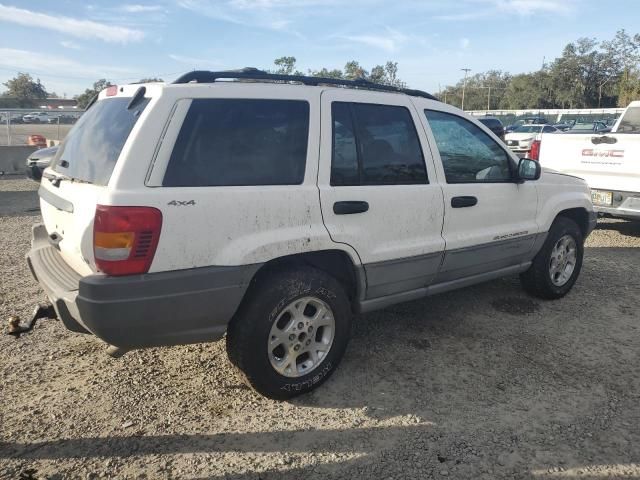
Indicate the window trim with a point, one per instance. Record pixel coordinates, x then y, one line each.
359 156
511 162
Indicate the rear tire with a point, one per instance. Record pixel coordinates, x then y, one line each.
557 265
277 356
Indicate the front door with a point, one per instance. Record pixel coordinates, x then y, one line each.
490 218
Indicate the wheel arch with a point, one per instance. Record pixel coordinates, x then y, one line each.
334 262
580 215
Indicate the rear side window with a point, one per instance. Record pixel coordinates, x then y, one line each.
630 123
227 142
375 145
93 145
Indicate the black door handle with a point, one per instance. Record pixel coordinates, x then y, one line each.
349 207
461 202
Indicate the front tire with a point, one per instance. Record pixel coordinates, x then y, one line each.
557 265
291 331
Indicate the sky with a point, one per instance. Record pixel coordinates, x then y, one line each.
69 44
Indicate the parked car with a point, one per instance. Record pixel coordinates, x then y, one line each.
564 126
594 127
493 124
526 121
38 161
610 163
521 139
36 117
62 119
274 212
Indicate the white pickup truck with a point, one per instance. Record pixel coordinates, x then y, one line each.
609 163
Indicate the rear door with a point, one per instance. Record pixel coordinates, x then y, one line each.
490 220
378 188
79 174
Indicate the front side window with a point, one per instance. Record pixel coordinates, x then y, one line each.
375 145
233 142
468 154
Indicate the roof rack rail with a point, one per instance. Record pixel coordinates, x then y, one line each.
250 73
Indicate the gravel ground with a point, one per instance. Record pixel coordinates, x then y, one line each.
481 383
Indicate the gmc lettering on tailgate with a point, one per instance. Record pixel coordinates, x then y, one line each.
590 152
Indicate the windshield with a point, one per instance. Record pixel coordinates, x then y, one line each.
630 123
93 145
528 129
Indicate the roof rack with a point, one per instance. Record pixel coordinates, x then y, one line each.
250 73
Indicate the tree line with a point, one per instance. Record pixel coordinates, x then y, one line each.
588 74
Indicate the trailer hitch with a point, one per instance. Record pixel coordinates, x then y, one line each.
40 311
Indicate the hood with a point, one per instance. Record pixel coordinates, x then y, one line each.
43 156
553 176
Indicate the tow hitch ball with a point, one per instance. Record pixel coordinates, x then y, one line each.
41 311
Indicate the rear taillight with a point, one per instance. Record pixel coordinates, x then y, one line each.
534 153
112 90
125 238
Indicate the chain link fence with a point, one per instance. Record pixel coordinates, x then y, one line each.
36 127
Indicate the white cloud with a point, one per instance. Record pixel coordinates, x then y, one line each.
194 62
476 9
70 26
389 42
279 15
54 65
70 45
135 8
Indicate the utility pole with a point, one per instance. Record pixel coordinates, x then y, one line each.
489 98
464 84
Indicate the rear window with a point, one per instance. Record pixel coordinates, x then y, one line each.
234 142
630 123
93 145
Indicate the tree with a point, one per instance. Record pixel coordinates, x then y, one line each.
25 90
386 74
150 80
286 66
84 98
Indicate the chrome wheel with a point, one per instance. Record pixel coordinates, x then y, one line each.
301 337
563 260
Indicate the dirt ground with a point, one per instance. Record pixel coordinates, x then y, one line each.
480 383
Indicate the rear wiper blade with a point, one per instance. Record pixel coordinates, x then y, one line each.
56 179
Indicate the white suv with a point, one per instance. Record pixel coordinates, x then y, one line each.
275 208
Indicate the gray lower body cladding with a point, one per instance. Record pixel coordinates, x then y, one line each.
154 309
411 278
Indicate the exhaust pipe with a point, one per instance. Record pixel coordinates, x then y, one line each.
116 352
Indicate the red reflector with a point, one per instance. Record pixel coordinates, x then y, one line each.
112 90
125 238
534 153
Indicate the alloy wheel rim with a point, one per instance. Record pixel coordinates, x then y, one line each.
563 260
301 337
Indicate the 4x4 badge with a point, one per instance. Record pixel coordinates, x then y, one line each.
179 203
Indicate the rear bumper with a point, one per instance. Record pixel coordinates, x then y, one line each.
154 309
625 205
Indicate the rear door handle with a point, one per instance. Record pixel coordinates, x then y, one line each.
461 202
350 206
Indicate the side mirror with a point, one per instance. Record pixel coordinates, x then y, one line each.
528 169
